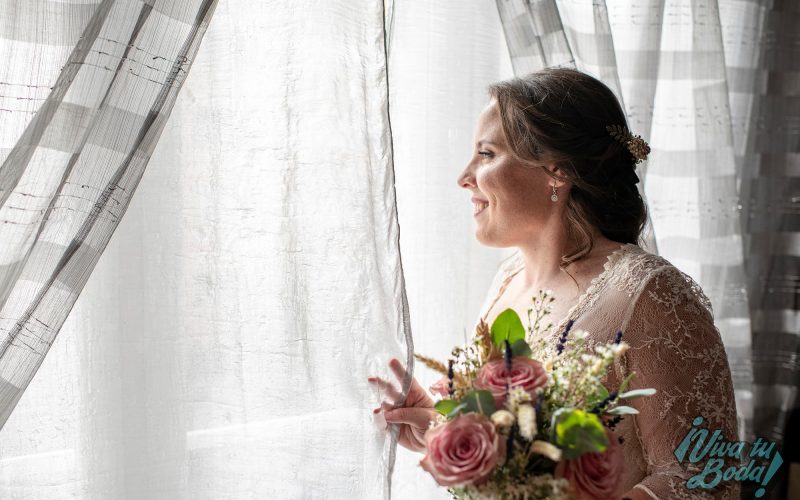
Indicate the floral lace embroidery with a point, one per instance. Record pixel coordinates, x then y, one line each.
676 348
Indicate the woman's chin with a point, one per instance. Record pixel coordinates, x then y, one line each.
483 238
489 239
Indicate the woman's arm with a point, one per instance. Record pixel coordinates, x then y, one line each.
676 349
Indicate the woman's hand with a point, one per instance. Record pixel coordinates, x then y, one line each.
413 417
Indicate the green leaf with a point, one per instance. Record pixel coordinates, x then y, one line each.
637 393
445 406
521 348
623 410
507 325
577 432
598 397
480 401
625 382
462 407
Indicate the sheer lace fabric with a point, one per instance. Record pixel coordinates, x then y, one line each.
675 348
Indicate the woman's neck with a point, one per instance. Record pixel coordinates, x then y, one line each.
542 255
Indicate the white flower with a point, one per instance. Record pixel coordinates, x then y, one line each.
526 416
517 396
544 448
580 334
502 418
619 349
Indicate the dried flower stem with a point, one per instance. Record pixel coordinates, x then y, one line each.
439 367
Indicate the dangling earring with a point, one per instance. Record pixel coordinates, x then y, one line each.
555 195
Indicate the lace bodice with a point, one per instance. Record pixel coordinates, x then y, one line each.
675 348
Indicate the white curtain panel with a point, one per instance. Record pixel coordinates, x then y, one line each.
85 90
222 346
443 55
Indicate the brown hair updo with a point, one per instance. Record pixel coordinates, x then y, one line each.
558 116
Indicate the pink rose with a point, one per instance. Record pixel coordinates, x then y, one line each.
463 451
441 387
525 372
595 475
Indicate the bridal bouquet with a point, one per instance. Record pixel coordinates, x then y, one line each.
511 427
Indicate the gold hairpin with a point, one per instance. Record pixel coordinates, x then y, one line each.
635 144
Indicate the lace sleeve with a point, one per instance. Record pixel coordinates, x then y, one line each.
676 349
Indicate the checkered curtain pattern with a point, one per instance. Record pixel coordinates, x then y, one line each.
72 152
709 84
762 52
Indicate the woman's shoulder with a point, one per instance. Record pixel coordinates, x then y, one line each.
648 277
634 265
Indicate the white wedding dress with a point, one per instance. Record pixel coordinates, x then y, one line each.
674 347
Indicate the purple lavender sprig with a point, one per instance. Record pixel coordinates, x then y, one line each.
605 402
450 388
562 340
612 424
538 406
508 366
510 443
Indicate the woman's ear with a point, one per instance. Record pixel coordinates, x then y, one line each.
557 172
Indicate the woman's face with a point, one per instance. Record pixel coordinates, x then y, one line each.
514 200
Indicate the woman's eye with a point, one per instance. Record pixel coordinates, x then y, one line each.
487 154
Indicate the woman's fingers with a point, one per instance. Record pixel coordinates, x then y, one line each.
397 368
385 406
400 372
417 396
418 417
391 392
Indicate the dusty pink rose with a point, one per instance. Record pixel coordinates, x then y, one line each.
525 372
595 475
463 451
440 387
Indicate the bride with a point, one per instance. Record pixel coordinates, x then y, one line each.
553 174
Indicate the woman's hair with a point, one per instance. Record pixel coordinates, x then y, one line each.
558 116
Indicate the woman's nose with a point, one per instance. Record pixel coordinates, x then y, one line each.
466 179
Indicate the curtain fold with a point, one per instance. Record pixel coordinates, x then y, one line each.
86 90
665 60
762 54
443 55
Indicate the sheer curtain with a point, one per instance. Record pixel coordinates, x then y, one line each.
85 90
443 55
761 51
222 347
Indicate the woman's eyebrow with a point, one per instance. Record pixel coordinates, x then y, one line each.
486 142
